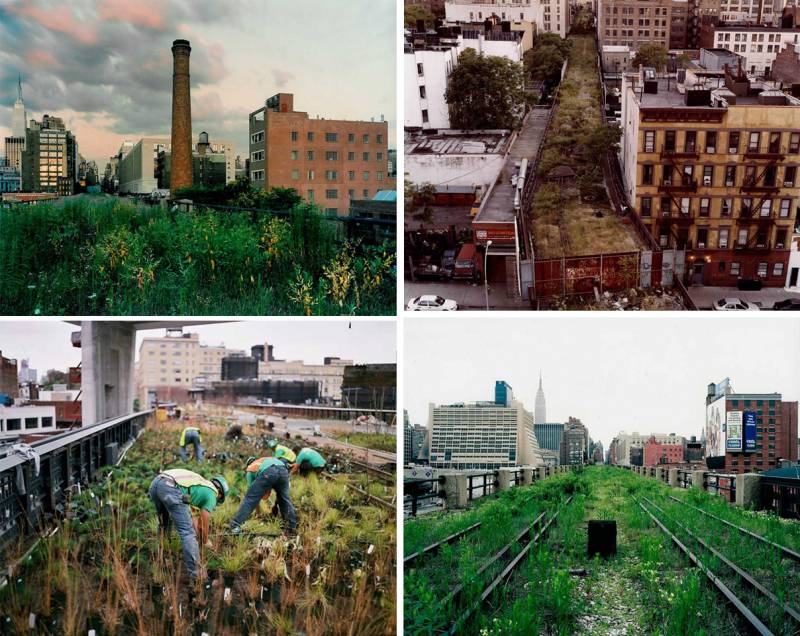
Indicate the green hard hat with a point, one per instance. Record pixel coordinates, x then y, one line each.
272 443
222 486
250 460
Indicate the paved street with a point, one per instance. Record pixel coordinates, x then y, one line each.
468 296
703 297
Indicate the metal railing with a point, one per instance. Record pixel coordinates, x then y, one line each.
721 484
485 483
419 491
684 478
67 462
781 495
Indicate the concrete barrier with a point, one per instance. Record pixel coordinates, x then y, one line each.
748 490
672 477
505 477
527 476
455 489
543 472
699 479
659 473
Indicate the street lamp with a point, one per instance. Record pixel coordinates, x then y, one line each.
486 272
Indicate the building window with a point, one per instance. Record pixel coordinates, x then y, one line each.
332 211
702 237
735 268
794 143
762 270
666 206
365 156
420 70
365 192
704 204
647 175
47 422
256 137
789 176
310 155
366 175
754 142
351 137
311 175
708 175
257 175
351 174
741 239
310 136
331 194
733 143
257 156
351 193
331 155
686 204
13 424
365 139
422 92
295 135
649 140
766 207
777 269
295 155
295 175
310 195
351 156
379 156
711 142
329 136
723 238
330 175
780 239
669 141
730 176
379 176
646 206
424 116
31 422
690 141
379 139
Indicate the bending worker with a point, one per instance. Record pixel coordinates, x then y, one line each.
308 460
174 492
264 475
191 435
281 452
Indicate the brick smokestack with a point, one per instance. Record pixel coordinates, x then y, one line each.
181 169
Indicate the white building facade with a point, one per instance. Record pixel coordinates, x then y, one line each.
26 420
549 16
758 45
426 71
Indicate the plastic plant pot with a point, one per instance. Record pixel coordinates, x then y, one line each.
275 593
228 579
95 622
213 574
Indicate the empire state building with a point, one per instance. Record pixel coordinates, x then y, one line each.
540 410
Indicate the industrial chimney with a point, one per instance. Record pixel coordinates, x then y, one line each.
181 169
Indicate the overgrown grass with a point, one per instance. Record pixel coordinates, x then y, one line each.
106 257
376 441
106 567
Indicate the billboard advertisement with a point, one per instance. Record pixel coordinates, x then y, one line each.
750 430
734 437
715 427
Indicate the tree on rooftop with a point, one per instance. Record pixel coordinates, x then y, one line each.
650 54
485 92
414 12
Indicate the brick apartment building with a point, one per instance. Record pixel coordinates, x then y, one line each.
711 166
776 432
9 384
329 162
663 452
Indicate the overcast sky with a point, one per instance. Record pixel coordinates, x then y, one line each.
105 66
47 344
634 373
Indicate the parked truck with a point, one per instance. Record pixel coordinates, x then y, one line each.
466 266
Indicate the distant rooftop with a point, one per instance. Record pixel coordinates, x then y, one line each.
457 142
754 27
616 48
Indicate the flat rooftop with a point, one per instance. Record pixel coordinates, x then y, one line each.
669 95
457 142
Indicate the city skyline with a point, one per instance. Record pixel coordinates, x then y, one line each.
363 342
627 392
105 68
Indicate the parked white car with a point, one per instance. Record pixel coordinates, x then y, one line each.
431 303
734 304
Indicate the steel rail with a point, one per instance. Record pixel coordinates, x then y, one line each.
377 472
787 551
507 571
746 576
381 502
433 548
751 618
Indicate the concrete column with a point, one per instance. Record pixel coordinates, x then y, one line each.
455 489
659 473
181 162
748 490
542 472
698 477
107 370
527 475
504 477
673 478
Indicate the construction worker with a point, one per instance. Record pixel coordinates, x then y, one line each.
174 493
282 452
265 474
191 435
308 460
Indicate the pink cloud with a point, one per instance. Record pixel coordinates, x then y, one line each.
143 13
59 19
40 59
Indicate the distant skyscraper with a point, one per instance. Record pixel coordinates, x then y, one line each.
540 409
18 116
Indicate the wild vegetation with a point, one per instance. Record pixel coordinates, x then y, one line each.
649 587
106 569
112 257
376 441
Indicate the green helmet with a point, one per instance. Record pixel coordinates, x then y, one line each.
272 443
250 460
222 486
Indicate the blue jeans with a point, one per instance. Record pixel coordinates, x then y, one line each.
273 478
170 507
193 438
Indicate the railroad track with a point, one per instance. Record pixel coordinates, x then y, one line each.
388 505
383 475
747 579
409 561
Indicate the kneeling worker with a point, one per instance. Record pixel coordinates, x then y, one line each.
174 492
191 435
308 460
267 474
281 452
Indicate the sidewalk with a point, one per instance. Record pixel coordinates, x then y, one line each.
703 297
468 296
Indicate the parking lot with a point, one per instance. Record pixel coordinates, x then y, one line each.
703 297
469 296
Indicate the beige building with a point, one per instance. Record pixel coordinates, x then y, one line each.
329 375
627 441
633 22
710 166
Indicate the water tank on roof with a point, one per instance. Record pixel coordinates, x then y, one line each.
203 137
